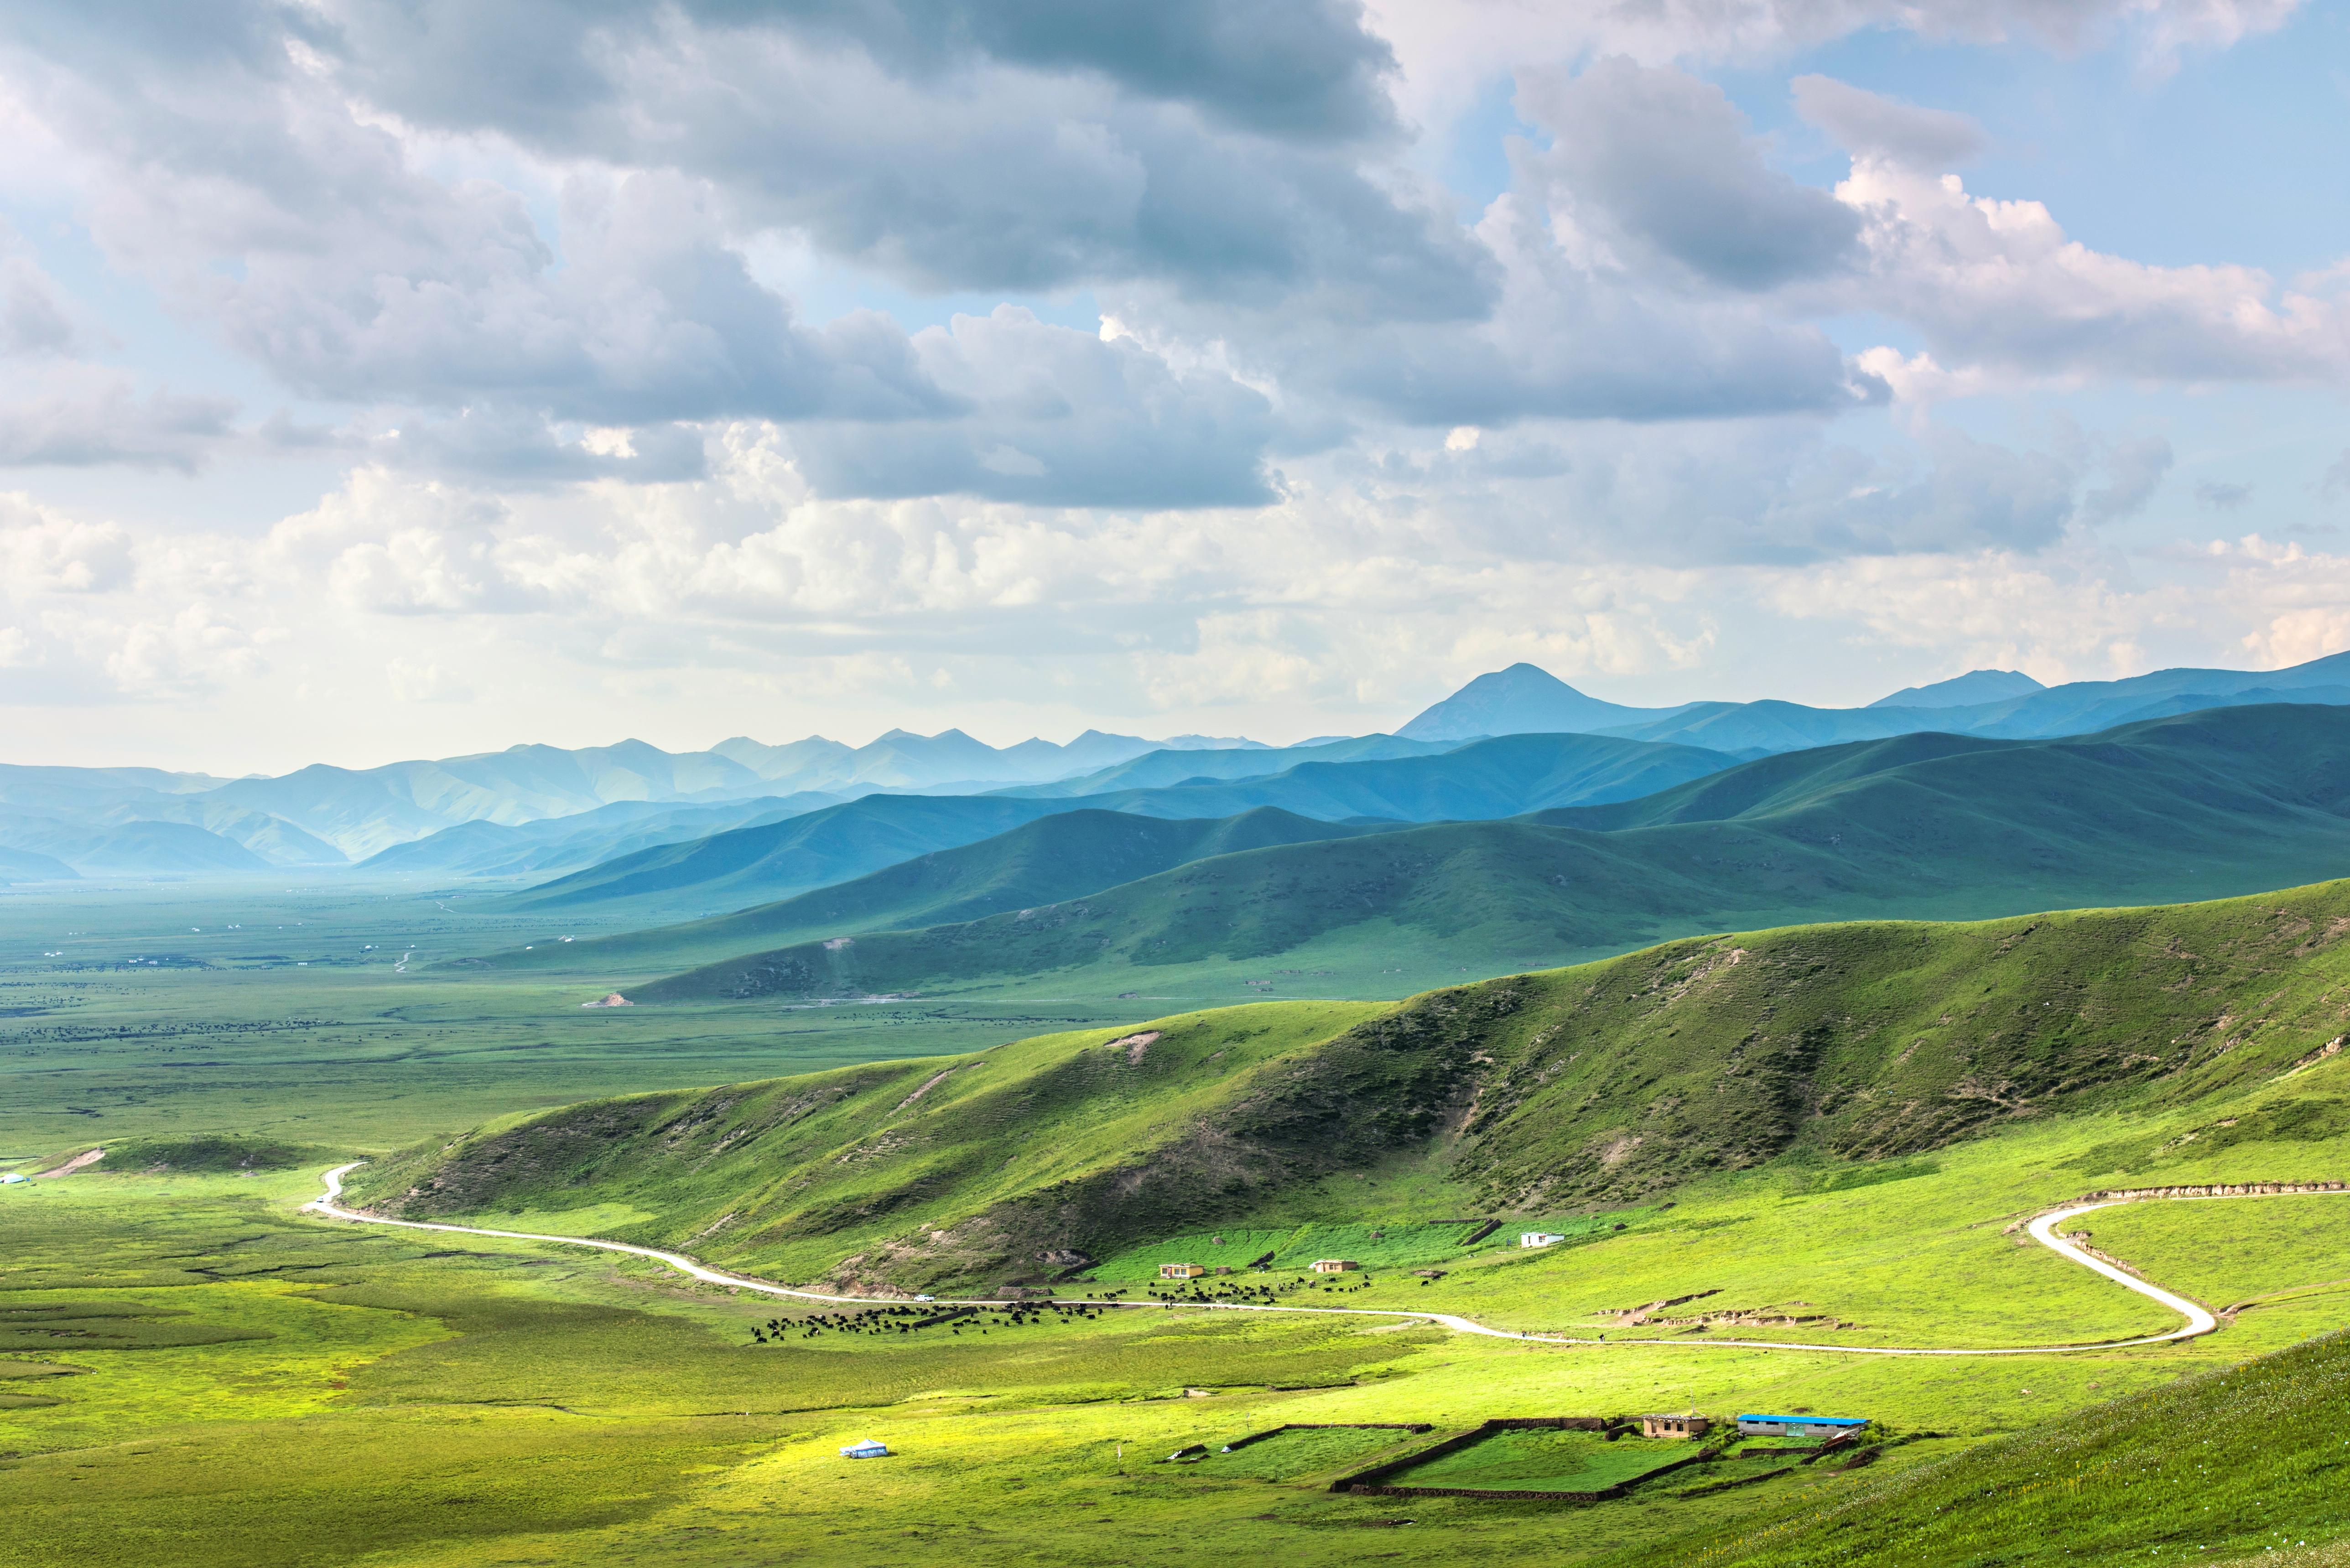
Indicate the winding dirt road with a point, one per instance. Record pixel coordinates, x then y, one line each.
2043 1230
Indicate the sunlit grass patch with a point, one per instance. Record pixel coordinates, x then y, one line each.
1544 1459
1297 1451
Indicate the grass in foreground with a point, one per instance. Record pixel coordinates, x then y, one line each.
2227 1463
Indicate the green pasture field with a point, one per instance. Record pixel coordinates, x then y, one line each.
1544 1460
283 1008
192 1373
1303 1452
514 1402
302 1025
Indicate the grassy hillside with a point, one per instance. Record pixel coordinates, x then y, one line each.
1933 825
1536 1094
1061 857
2233 1462
822 1174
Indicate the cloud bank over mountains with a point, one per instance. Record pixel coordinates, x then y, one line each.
513 363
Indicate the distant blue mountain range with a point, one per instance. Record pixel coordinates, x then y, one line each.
548 812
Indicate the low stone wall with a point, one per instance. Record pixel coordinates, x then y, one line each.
2192 1189
2214 1190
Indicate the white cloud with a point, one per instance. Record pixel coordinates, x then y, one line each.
425 681
1999 283
43 551
1338 436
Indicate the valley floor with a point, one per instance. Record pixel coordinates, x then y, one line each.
193 1371
192 1361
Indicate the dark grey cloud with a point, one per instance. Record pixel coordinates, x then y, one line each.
1867 124
1570 336
1663 163
1029 145
1307 70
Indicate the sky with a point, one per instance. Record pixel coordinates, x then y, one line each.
386 379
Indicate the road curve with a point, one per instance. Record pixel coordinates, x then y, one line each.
2043 1230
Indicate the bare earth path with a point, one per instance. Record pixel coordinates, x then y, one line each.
2043 1230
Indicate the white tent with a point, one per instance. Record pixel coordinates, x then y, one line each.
867 1450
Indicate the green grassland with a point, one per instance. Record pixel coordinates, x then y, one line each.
289 1014
1304 1451
1826 1134
446 1400
1542 1460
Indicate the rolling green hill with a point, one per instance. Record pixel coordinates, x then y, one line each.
2214 802
1496 778
2247 1461
1600 1083
1056 858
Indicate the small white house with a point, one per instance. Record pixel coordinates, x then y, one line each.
1539 1239
12 1179
867 1450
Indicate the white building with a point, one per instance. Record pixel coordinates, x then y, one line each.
1539 1239
867 1450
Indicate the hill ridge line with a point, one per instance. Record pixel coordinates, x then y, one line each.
2200 1320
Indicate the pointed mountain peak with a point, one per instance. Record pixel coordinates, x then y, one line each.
1523 698
1964 691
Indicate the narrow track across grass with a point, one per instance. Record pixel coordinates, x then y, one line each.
2043 1229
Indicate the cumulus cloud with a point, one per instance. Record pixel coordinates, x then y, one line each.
2000 283
392 546
43 551
1341 430
946 161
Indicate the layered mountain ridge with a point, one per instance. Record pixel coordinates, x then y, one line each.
133 821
